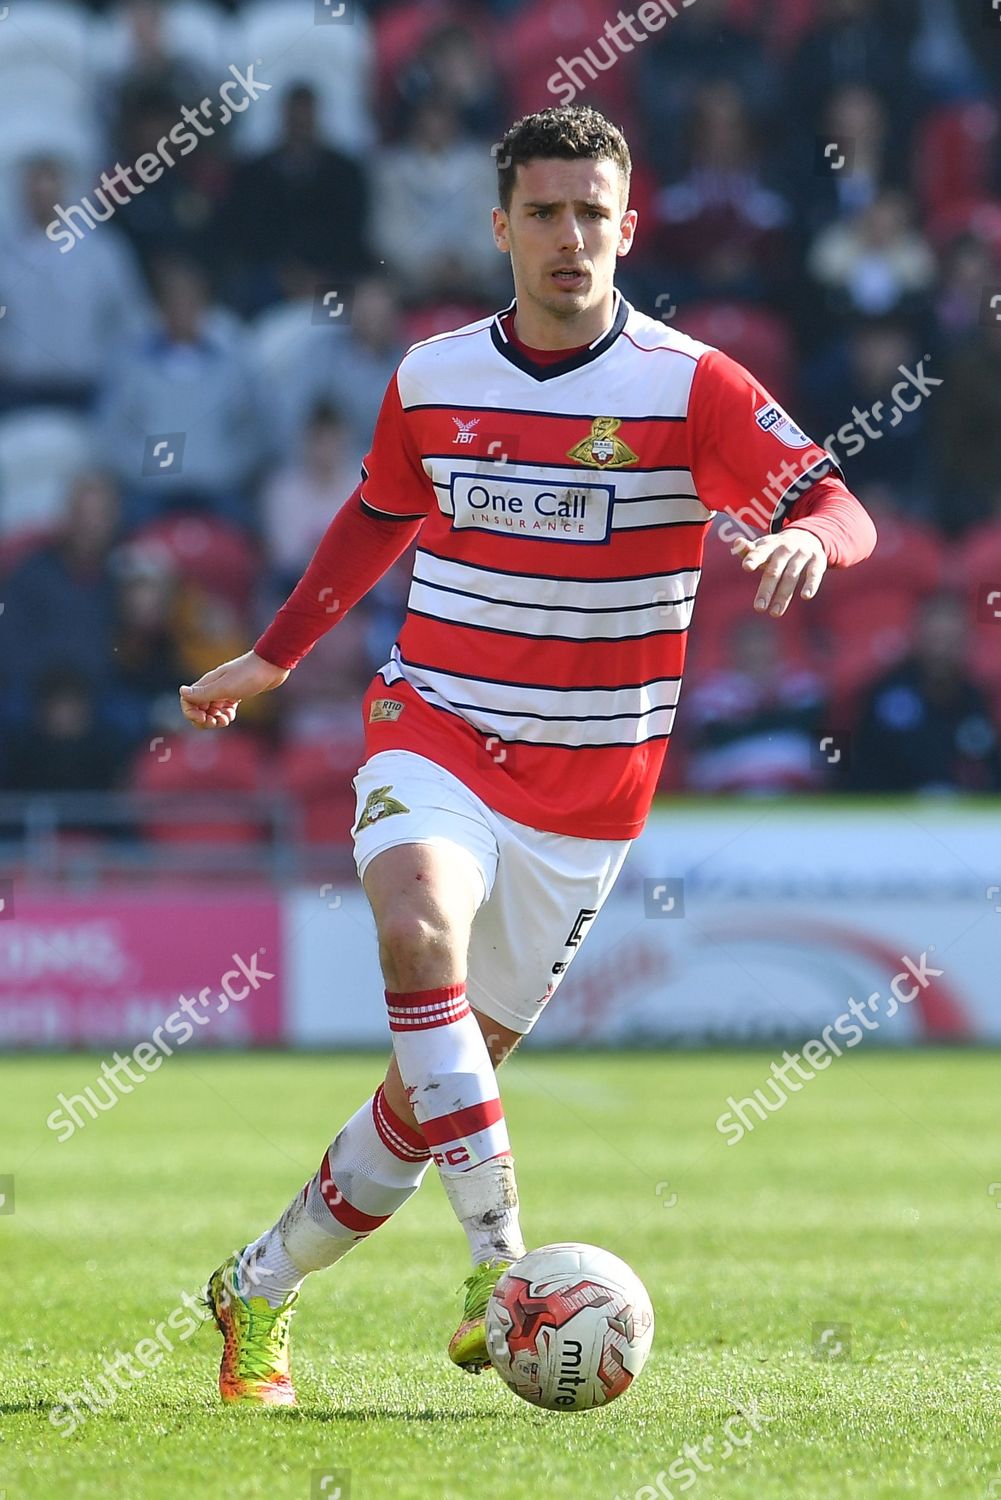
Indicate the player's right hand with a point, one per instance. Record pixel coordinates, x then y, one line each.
212 701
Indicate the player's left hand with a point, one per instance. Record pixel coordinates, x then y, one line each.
785 560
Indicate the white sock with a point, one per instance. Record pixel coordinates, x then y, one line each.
493 1231
373 1166
452 1088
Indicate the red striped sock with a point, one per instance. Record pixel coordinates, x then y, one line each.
373 1166
449 1076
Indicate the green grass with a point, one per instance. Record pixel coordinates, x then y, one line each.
864 1201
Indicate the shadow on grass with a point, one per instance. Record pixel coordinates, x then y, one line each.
385 1414
39 1405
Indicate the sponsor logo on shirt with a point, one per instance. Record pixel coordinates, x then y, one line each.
576 512
773 419
379 804
385 710
466 431
601 449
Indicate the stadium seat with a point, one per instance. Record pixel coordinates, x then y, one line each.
755 338
399 32
954 156
335 59
203 765
41 449
319 776
51 34
65 129
909 559
19 544
439 317
863 644
529 44
206 551
195 30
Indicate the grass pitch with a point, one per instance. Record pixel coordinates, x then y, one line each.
834 1276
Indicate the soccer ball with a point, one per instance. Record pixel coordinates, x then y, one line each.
569 1327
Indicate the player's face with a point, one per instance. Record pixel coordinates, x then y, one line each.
565 229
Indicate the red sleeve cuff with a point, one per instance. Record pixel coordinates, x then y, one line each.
830 511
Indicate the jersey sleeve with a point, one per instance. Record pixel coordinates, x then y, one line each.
747 455
395 485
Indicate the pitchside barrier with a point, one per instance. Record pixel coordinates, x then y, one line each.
751 922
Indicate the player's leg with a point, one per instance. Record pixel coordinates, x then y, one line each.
373 1165
424 898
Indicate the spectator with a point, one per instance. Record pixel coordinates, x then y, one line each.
874 263
677 63
724 229
855 160
970 270
850 402
753 726
856 42
432 197
299 502
59 600
453 65
142 691
927 726
68 746
66 313
303 358
179 416
969 431
172 216
151 67
304 202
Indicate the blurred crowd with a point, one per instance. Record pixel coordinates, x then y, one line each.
189 377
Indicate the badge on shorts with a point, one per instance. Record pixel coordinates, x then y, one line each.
379 804
385 710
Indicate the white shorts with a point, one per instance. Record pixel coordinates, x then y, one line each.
541 891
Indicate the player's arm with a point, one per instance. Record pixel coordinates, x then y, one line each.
825 528
368 534
750 460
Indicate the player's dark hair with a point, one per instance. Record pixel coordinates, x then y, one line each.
571 132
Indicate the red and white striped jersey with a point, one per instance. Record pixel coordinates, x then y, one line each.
566 506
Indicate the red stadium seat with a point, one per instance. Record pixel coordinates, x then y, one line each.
440 317
909 559
528 46
757 339
319 776
19 544
202 765
400 31
954 156
207 551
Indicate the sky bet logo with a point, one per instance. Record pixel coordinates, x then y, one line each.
578 512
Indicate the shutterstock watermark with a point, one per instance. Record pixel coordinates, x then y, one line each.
236 94
618 38
235 985
125 1368
705 1457
867 424
817 1054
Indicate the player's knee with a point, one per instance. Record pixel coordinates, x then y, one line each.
418 952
